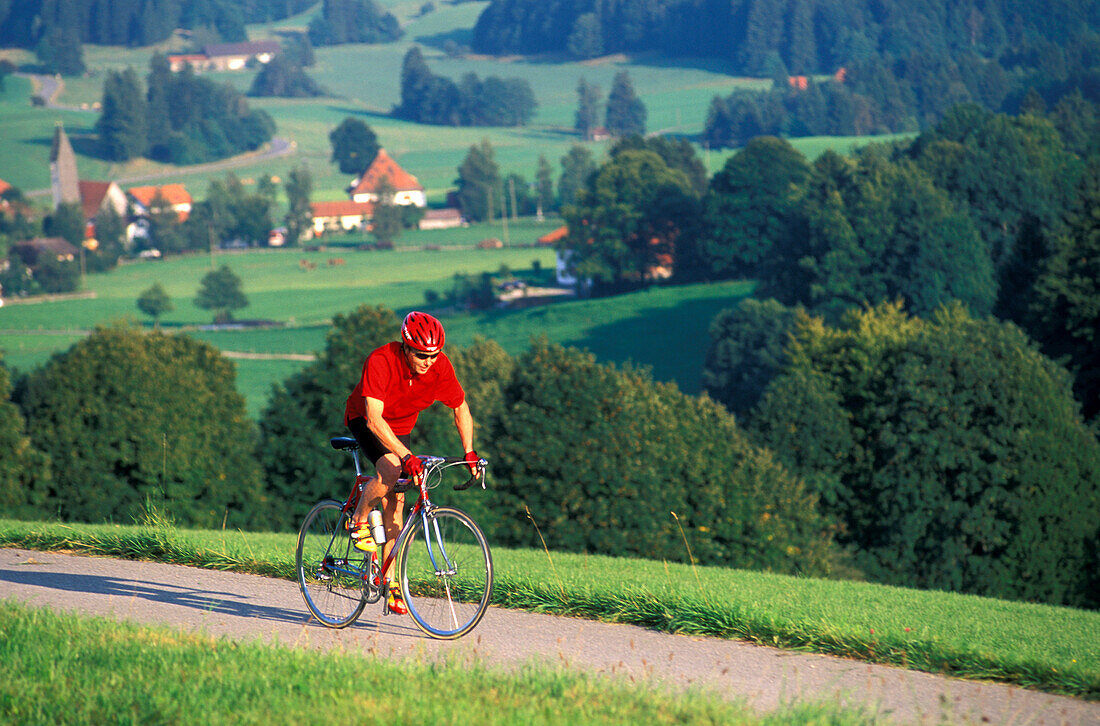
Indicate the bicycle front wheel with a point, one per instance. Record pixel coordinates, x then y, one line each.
330 569
446 573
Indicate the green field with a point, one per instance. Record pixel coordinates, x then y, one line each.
1039 646
364 82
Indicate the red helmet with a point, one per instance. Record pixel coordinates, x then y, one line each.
422 332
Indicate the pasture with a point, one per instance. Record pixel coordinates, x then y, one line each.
664 328
364 82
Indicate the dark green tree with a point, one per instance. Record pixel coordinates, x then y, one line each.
67 222
158 87
626 114
283 77
581 466
950 450
478 183
587 118
123 124
354 146
145 419
26 475
747 350
586 39
154 302
749 205
544 185
220 291
299 215
308 408
629 221
1065 308
60 51
386 223
577 164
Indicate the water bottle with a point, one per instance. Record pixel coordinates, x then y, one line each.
374 519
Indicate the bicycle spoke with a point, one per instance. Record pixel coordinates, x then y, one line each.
446 573
330 569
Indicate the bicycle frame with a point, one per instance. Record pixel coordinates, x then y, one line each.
433 465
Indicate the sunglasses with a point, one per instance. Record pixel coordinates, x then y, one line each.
419 355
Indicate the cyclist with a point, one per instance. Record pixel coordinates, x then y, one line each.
400 380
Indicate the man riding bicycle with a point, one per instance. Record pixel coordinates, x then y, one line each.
400 380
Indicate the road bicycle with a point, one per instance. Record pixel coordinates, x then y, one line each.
443 565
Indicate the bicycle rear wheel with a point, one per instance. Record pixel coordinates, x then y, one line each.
446 573
330 569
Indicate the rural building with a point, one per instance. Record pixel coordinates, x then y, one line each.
150 200
226 56
64 181
407 189
97 197
442 219
341 216
32 250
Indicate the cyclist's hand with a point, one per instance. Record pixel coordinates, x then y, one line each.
472 460
413 465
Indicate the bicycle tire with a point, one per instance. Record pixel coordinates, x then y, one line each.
446 601
330 569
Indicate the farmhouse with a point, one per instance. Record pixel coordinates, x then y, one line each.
226 56
97 197
151 200
406 188
442 219
33 250
341 216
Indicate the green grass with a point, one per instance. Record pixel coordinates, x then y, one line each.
1048 648
77 670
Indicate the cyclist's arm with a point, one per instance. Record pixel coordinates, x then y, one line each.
464 422
382 430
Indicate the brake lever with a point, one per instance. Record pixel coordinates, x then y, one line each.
480 475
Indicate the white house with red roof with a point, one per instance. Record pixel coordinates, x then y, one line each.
407 189
342 215
148 200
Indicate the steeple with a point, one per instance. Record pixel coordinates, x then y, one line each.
63 175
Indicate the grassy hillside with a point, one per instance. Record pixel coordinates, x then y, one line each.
1038 646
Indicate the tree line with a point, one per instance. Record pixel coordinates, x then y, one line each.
26 23
943 453
431 99
180 117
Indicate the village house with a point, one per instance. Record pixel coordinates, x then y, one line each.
226 56
407 190
33 250
442 219
342 215
149 200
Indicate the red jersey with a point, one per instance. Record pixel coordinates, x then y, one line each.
386 376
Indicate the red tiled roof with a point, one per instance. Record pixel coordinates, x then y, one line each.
173 194
91 196
551 237
384 166
4 186
341 208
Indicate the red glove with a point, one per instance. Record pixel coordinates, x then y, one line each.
472 460
413 465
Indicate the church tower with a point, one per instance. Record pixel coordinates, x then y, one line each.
63 176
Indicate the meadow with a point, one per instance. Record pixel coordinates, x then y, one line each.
1038 646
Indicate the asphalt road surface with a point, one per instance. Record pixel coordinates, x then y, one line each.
251 607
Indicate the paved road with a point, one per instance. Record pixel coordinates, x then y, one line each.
251 607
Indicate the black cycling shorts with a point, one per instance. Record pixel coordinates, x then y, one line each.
369 444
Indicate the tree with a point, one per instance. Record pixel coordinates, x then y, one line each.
581 466
868 230
626 114
25 472
748 207
67 222
747 350
154 302
577 164
544 185
160 423
416 77
122 126
478 183
60 51
386 223
629 221
354 146
282 76
306 410
586 39
1065 308
157 97
951 451
299 215
220 291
